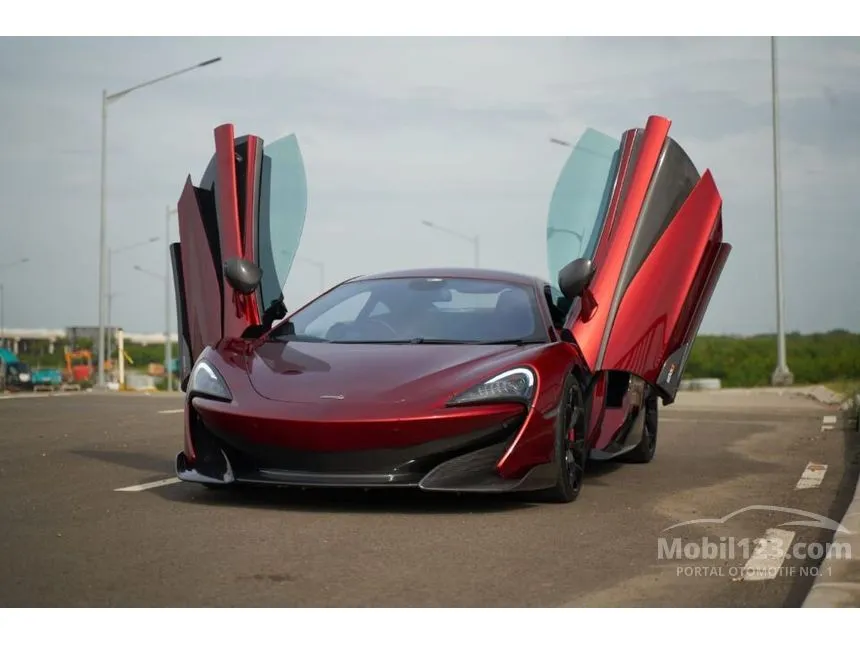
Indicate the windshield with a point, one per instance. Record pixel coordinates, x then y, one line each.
419 310
580 200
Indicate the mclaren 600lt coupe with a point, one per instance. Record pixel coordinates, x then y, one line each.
460 380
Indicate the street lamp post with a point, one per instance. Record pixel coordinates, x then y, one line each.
110 292
2 301
782 376
474 239
109 345
107 99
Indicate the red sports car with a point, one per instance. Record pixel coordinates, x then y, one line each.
461 380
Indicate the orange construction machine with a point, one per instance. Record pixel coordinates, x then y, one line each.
79 365
80 368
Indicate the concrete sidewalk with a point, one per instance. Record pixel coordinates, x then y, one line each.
838 582
815 397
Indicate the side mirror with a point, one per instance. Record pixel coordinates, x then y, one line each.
242 275
575 277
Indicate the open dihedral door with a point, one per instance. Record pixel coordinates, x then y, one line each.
251 205
657 256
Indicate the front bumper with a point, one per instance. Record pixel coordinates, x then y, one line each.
19 386
462 463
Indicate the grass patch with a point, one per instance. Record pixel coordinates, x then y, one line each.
848 387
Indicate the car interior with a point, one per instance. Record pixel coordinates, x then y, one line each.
435 314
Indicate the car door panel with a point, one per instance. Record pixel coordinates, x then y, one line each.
657 261
184 357
653 314
200 269
238 211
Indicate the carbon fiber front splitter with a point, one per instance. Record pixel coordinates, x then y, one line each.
473 472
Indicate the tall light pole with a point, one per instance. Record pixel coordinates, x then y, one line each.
107 99
167 348
474 239
3 267
781 374
110 293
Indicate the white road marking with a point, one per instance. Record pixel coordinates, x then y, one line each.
171 411
829 419
812 476
823 428
38 395
768 556
139 487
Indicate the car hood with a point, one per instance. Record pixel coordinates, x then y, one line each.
314 372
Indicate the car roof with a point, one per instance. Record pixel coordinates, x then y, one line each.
454 272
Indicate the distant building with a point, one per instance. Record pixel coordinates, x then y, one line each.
75 334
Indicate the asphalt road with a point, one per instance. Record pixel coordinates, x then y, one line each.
68 537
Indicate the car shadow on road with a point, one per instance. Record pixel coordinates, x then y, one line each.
595 470
129 459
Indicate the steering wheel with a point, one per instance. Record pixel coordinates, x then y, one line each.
340 331
377 321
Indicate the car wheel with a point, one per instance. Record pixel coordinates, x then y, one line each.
570 446
644 451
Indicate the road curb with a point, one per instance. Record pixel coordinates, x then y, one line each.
818 393
822 394
838 582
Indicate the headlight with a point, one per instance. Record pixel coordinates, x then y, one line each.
206 381
515 385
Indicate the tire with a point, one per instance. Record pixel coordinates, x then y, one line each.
570 446
644 452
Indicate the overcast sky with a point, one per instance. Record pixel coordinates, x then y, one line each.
394 131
